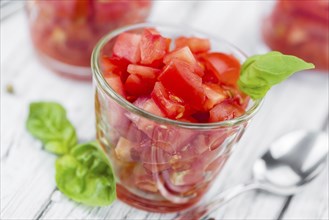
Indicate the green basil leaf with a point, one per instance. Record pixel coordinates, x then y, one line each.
85 175
47 121
260 72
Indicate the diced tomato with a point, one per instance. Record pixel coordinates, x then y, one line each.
201 117
115 65
178 79
225 110
185 54
172 109
136 86
115 82
197 45
225 68
237 96
148 105
153 47
214 95
127 46
143 71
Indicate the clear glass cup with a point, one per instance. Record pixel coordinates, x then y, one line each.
64 32
161 165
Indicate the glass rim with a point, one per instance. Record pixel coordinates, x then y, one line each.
100 80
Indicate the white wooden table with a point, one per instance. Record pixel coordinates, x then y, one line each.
28 189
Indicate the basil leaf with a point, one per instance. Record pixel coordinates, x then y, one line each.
47 121
260 72
85 175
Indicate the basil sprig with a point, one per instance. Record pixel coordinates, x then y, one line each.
83 172
260 72
47 122
85 175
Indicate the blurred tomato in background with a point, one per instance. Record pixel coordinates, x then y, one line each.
300 28
64 33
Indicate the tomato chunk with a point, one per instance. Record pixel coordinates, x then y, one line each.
225 68
153 47
178 79
115 82
214 95
143 71
237 96
115 65
225 110
171 107
127 46
136 86
185 54
197 45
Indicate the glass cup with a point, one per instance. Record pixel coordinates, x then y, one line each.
161 165
64 32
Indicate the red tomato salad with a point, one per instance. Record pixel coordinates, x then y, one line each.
187 82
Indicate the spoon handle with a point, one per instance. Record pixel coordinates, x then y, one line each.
202 210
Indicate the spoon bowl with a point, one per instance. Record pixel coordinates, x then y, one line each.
291 162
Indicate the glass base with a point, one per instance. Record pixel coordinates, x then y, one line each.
66 70
151 205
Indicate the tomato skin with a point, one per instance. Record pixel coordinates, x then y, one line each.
186 85
197 45
127 46
153 47
225 110
171 108
224 68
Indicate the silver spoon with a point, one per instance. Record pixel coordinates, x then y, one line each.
291 162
